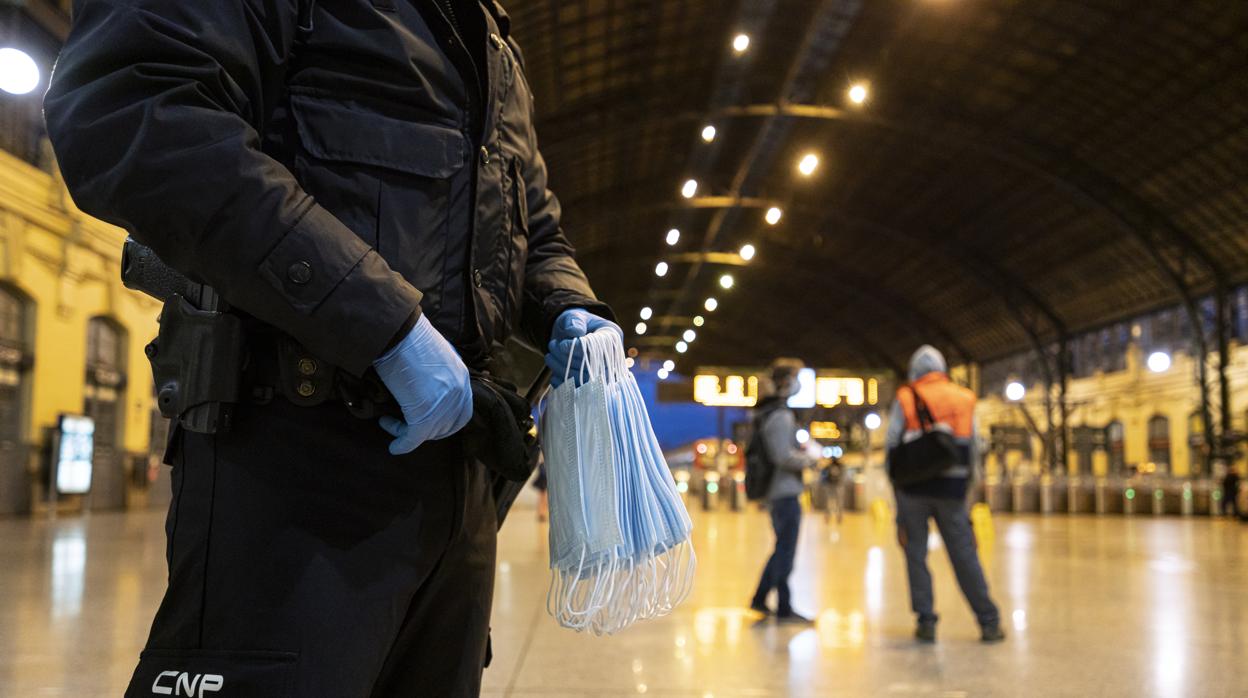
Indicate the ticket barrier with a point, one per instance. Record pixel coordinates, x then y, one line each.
997 495
1054 492
1135 498
856 494
1081 495
1186 498
717 491
1025 496
1110 496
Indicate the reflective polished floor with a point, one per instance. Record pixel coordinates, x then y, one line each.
1093 606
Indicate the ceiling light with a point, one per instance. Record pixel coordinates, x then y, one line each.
858 93
682 347
711 304
1159 362
646 312
690 188
773 216
726 281
747 252
663 374
1015 391
690 335
673 236
660 269
699 321
640 328
808 163
669 365
740 43
872 421
19 74
629 362
708 133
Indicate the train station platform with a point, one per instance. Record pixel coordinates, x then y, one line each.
1109 606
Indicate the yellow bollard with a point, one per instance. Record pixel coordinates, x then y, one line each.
879 511
981 522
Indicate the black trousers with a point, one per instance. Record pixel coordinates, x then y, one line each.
786 520
305 560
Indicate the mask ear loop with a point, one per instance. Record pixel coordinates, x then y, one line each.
585 370
567 372
574 594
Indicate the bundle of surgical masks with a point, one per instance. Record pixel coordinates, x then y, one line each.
619 533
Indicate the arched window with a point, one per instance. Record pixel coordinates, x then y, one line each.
1159 442
15 361
1116 445
104 402
1197 449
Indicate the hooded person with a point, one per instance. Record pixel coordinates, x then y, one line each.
778 432
943 497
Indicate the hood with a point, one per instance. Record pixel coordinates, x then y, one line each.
927 359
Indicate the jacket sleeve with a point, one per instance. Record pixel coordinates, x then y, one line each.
778 433
553 281
896 430
155 109
896 426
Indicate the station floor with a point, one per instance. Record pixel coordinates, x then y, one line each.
1093 607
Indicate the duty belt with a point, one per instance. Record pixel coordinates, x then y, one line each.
279 366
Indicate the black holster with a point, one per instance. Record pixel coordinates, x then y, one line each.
501 433
197 364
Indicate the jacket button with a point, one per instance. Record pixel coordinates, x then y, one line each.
307 367
477 278
485 155
299 273
306 389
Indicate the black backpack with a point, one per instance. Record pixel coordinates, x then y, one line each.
926 457
759 470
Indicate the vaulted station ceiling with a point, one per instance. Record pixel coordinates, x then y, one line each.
1019 169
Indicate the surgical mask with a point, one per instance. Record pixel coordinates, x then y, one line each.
585 535
624 554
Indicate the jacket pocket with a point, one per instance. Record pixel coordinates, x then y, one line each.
241 674
387 179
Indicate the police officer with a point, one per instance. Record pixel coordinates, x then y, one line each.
942 498
360 181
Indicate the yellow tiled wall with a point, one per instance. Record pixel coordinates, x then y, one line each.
68 265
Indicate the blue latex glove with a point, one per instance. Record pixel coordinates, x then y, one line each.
430 383
571 325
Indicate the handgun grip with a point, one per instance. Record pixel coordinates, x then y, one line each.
143 271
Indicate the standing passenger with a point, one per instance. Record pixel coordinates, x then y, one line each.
778 434
942 498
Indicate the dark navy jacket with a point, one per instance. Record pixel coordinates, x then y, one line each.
332 167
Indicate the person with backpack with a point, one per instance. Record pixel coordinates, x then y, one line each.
775 462
932 452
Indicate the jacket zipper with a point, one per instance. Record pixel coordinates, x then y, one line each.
449 10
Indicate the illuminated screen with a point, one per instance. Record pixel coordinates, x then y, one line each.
74 451
805 396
